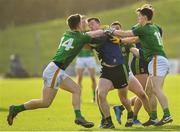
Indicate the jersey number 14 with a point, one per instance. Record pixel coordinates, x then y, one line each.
67 44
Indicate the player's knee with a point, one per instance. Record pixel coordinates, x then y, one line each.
156 91
142 95
96 90
132 101
101 94
77 90
79 80
46 104
93 79
124 100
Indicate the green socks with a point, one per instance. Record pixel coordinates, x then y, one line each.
166 112
19 108
77 113
130 115
153 115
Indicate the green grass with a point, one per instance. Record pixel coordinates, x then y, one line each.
60 115
21 39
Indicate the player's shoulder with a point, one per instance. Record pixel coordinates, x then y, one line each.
77 35
136 26
70 33
158 26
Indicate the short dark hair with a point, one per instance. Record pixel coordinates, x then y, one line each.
116 23
73 21
146 12
94 18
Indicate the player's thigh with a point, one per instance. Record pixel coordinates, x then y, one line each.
157 82
123 92
135 86
104 86
92 72
148 88
69 85
49 94
142 78
80 71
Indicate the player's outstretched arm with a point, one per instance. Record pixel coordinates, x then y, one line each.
122 33
95 34
130 40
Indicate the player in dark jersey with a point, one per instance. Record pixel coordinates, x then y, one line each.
113 76
54 75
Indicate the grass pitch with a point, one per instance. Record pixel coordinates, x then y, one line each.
60 115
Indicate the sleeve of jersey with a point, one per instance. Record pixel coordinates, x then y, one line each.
137 31
160 30
87 39
131 46
98 40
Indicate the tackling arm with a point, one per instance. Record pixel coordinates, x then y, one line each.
95 34
122 33
135 51
130 40
127 40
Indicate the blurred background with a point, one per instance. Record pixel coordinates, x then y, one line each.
30 30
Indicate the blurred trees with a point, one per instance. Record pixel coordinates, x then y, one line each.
17 12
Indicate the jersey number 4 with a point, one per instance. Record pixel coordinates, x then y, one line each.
67 44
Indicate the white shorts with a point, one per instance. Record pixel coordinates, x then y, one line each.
86 62
53 76
158 66
131 75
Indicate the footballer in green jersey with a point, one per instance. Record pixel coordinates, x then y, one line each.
86 61
70 45
54 75
149 36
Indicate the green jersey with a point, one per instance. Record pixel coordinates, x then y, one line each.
125 49
85 52
150 39
70 45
